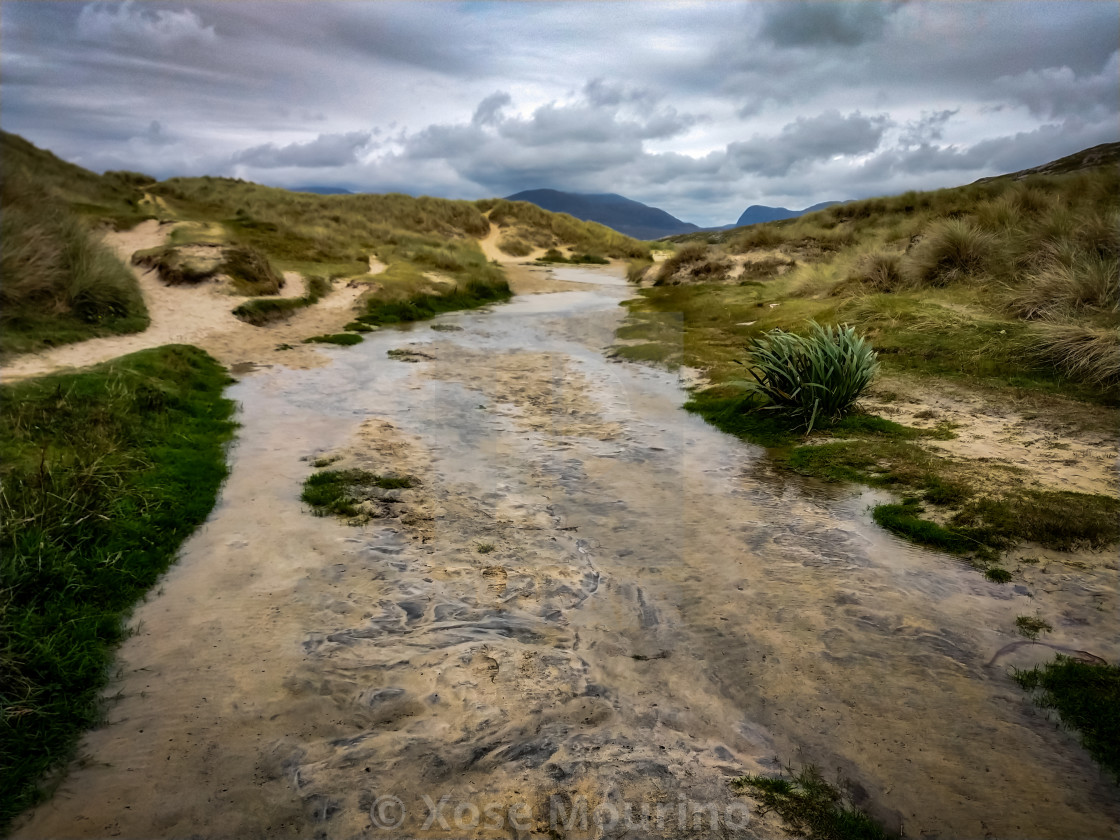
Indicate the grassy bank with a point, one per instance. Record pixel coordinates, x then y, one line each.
1088 699
266 310
105 472
1007 288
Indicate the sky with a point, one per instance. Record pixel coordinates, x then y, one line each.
699 108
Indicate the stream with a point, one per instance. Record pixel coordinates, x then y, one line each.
589 615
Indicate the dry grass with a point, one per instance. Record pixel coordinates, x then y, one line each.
1085 353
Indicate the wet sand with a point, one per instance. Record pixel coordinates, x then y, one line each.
590 599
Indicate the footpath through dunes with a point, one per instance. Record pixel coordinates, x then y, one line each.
586 599
199 314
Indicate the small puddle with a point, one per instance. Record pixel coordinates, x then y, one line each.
591 600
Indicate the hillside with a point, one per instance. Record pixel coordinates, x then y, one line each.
225 227
1106 154
758 213
629 217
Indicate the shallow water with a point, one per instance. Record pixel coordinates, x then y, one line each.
591 600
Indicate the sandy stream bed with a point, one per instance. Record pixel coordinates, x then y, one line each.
590 599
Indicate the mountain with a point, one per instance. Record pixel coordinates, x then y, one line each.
322 190
615 211
757 213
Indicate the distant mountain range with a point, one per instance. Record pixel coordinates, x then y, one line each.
322 190
758 213
640 220
622 214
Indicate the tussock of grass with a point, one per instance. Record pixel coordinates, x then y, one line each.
514 246
811 807
1030 627
696 261
424 305
952 250
880 272
60 284
261 311
249 270
1065 286
345 339
103 474
1088 699
636 270
1085 353
339 492
554 256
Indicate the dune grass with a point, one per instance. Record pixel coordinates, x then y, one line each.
339 492
60 284
104 473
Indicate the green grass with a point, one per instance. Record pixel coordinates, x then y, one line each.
810 807
338 492
261 311
105 472
1088 699
1030 627
345 339
554 256
422 306
876 452
904 520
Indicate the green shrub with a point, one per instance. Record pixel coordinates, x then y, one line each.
812 378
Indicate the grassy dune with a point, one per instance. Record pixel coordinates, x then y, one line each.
59 283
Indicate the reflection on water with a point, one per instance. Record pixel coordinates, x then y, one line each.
590 597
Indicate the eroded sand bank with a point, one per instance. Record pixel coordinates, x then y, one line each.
590 598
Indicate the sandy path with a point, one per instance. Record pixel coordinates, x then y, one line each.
524 277
589 596
200 315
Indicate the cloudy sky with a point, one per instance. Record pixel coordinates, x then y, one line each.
699 108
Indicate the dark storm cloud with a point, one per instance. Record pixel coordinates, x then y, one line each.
700 108
809 139
822 23
324 151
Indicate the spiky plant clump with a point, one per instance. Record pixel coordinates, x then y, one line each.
814 378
